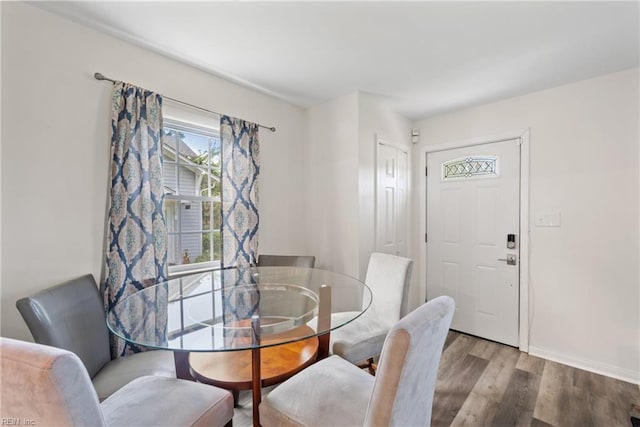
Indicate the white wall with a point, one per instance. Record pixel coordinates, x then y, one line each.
55 148
340 177
331 178
584 282
378 120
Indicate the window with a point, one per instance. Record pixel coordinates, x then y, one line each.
200 303
470 167
191 173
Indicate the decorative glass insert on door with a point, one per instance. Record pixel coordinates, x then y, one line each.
470 167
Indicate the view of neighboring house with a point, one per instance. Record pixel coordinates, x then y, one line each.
190 218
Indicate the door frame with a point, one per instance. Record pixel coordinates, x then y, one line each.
525 226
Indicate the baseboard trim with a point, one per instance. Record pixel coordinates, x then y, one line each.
616 372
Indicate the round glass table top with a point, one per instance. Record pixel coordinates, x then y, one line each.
239 309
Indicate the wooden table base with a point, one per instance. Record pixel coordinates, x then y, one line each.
257 368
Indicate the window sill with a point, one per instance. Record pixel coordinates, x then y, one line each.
182 270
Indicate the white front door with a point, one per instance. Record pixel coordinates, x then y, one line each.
391 196
473 201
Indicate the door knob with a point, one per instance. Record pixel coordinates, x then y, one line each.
511 259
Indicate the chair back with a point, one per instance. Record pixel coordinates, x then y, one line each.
286 261
70 316
46 385
405 381
389 278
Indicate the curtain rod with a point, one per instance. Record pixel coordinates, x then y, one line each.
100 76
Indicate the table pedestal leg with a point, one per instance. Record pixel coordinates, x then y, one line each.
256 376
324 321
257 385
181 360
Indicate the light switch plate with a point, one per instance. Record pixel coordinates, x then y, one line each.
547 219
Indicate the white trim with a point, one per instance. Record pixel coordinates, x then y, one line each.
525 231
176 271
190 127
503 136
208 132
523 136
605 369
380 140
377 140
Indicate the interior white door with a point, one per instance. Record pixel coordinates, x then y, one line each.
391 196
473 199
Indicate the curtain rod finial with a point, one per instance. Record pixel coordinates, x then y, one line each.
98 76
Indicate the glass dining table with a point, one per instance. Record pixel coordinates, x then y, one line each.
240 309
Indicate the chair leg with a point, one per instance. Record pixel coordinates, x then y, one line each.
369 365
372 366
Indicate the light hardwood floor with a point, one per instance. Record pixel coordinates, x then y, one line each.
482 383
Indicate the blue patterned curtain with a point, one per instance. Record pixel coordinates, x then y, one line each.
136 255
240 170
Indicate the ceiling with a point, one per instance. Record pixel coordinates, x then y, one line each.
425 58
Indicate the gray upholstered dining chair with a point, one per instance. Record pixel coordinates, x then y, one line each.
389 278
50 386
334 392
71 316
286 261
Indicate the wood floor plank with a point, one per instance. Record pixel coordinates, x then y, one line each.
537 423
516 409
613 397
477 410
451 337
579 410
628 393
457 350
454 388
495 380
585 381
553 394
531 364
484 349
489 390
607 413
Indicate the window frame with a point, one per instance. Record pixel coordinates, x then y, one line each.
179 270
